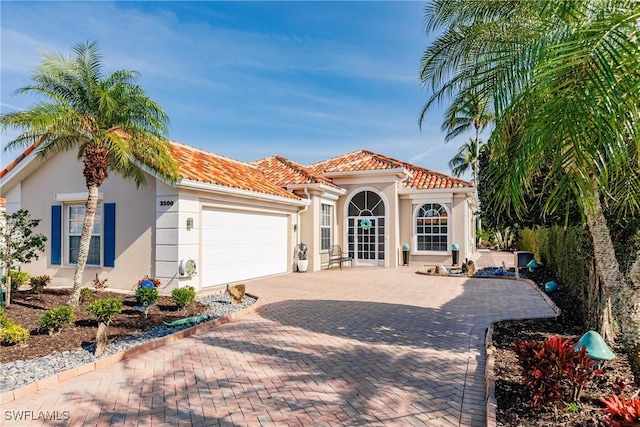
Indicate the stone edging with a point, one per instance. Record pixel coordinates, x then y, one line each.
489 374
26 390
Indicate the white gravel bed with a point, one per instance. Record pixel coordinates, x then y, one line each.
21 372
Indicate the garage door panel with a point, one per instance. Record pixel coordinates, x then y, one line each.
239 246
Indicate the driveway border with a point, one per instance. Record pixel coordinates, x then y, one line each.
25 390
489 373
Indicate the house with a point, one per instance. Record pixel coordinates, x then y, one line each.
233 221
398 202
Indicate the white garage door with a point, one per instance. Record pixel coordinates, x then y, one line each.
239 246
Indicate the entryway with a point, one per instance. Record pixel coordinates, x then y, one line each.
366 229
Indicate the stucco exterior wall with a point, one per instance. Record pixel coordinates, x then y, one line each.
176 242
461 227
62 174
388 192
309 233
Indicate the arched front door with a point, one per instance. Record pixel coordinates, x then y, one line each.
365 228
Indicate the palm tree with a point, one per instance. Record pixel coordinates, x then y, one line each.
566 75
467 111
109 119
466 159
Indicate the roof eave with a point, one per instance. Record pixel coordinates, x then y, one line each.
19 171
399 172
324 187
470 191
204 186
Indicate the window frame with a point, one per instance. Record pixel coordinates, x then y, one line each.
323 226
67 233
416 235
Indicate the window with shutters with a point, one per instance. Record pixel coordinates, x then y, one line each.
75 221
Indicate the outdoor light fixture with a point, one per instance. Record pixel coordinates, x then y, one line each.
596 347
189 223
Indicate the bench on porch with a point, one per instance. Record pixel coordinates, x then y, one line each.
336 256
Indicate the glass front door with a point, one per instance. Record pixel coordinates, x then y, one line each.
365 229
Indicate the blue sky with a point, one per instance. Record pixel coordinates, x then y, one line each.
307 80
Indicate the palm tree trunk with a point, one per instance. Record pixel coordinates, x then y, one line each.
85 240
598 305
625 298
631 309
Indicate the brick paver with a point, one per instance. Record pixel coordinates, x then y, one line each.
353 347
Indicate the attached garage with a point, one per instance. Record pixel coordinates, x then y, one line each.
239 245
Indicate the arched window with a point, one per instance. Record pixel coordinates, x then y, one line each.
432 228
366 203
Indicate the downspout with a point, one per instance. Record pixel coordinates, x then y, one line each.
407 175
308 197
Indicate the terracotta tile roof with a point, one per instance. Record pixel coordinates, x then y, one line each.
283 172
202 166
269 175
364 160
18 159
3 202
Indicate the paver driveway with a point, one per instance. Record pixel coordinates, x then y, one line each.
352 347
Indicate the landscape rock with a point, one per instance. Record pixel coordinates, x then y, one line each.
237 293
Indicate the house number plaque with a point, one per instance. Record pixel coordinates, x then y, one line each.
166 202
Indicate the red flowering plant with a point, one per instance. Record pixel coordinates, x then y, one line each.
552 370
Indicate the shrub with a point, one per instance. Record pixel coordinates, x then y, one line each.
146 297
3 318
552 370
183 296
55 319
12 333
156 282
38 283
86 294
104 309
622 411
99 283
18 278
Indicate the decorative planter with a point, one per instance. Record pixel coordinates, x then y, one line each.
303 264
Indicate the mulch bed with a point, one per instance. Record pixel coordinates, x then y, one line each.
26 308
514 407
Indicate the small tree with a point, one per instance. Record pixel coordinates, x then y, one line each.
103 309
18 244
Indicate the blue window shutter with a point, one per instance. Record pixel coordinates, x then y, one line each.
56 235
109 235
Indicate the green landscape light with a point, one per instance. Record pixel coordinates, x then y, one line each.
597 349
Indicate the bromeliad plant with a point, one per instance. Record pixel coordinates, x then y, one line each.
621 411
552 370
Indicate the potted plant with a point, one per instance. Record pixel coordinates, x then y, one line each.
303 262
